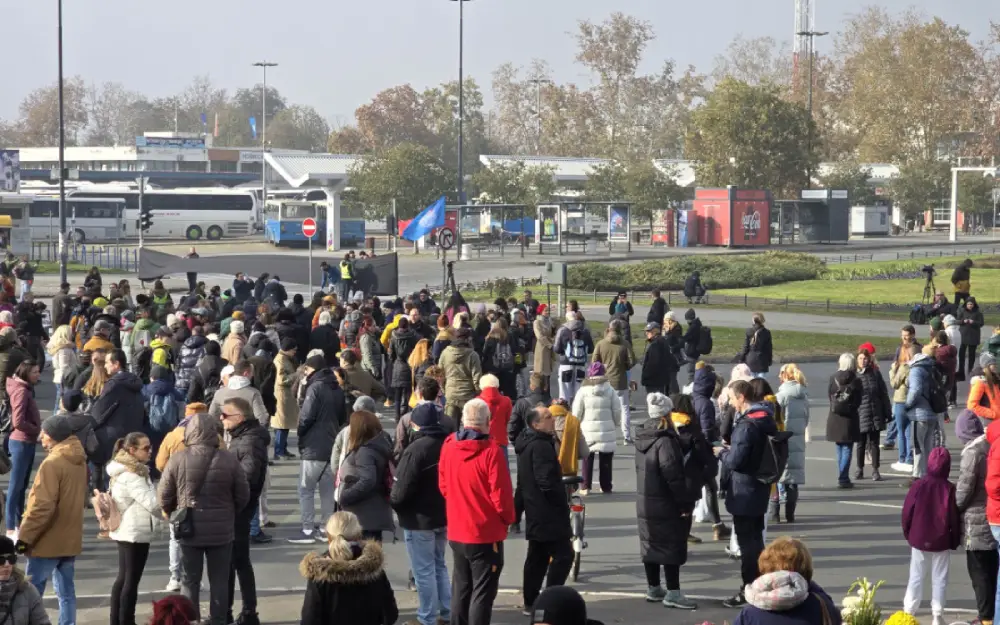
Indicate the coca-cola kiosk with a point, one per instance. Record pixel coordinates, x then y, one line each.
733 217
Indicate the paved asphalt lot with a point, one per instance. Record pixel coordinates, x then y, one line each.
851 533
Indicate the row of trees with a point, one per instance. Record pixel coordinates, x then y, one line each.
896 88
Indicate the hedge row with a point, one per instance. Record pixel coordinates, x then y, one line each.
904 269
717 272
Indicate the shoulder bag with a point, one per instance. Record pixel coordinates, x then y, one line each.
182 519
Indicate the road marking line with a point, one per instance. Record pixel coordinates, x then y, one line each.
869 504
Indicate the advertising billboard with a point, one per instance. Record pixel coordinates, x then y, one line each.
183 143
10 171
751 222
618 222
660 234
548 224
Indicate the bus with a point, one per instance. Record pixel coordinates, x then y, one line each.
87 219
283 224
189 213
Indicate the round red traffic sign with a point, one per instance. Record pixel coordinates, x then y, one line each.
309 227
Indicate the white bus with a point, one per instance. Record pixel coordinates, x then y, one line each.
87 219
189 213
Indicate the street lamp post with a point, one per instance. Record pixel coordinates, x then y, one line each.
263 132
461 104
62 153
812 34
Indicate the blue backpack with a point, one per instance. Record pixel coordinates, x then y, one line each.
164 414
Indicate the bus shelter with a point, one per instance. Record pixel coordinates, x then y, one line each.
491 226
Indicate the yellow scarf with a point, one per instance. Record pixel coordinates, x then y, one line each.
569 459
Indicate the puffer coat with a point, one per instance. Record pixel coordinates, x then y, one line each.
26 605
224 487
970 496
875 409
400 347
191 353
794 402
363 484
599 410
135 497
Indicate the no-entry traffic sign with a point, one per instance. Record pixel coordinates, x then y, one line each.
309 227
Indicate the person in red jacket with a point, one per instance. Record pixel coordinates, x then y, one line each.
474 479
500 409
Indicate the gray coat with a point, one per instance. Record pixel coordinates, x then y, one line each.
970 495
794 402
363 484
26 607
224 492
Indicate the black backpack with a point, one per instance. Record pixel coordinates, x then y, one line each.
212 384
918 315
841 404
705 341
937 395
774 459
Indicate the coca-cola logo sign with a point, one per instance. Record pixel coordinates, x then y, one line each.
751 223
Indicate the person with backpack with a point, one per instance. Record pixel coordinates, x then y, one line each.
401 345
573 347
750 466
206 377
926 399
498 358
672 463
366 476
757 352
616 354
191 353
164 405
843 423
136 519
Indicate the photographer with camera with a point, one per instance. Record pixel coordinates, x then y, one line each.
960 279
941 306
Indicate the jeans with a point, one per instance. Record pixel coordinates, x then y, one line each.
626 416
22 458
280 443
218 579
25 287
926 435
425 549
904 439
920 561
892 430
58 398
315 474
844 453
39 570
174 553
125 591
254 522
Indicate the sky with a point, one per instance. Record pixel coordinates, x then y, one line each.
337 54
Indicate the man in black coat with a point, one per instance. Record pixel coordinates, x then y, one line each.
520 415
323 414
658 309
275 292
116 412
62 306
288 328
692 338
420 506
659 367
324 337
248 441
546 506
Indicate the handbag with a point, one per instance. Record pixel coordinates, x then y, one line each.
182 519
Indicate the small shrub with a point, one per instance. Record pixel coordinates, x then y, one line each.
504 287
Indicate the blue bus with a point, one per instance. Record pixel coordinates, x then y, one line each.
283 225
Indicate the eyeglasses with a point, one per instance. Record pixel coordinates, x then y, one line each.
8 558
230 415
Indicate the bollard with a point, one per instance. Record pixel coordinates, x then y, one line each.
828 304
746 301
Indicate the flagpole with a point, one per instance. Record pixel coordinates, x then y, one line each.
263 135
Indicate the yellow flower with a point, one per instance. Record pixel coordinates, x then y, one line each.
902 618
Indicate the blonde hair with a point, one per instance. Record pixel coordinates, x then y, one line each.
342 528
846 362
791 371
98 375
420 354
62 337
456 321
489 381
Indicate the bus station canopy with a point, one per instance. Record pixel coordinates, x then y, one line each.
324 170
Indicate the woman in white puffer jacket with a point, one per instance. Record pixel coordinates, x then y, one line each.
135 498
599 410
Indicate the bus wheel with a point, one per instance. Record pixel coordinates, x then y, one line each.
78 236
214 233
193 233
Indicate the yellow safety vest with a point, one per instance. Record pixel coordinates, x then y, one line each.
345 270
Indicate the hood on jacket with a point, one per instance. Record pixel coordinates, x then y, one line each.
195 342
115 469
763 414
939 463
793 389
704 383
366 568
202 429
921 360
124 379
160 387
647 434
469 443
595 381
972 300
146 324
323 376
778 592
381 444
529 436
949 320
158 342
574 325
70 450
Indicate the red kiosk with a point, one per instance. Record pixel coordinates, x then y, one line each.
733 217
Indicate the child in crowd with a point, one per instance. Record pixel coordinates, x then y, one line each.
932 526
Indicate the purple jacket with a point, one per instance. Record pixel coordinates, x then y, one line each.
931 521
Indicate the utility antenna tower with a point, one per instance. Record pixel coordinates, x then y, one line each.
805 22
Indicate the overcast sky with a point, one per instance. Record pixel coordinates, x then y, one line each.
336 54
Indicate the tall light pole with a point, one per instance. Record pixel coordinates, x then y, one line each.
62 153
538 82
461 104
263 132
812 34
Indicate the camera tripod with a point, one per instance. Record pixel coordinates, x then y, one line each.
929 291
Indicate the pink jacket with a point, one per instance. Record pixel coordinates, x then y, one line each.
25 419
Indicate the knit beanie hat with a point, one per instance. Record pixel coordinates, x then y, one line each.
596 369
559 605
987 359
196 408
316 362
690 315
968 427
365 403
288 344
659 405
72 399
936 324
425 414
57 427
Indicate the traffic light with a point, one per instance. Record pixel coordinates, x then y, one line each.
145 218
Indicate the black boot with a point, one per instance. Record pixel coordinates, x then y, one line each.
773 511
791 499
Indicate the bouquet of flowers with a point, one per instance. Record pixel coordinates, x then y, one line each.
859 607
902 618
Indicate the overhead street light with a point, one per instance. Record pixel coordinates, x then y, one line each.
263 132
811 34
459 187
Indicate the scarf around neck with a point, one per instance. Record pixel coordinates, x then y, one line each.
129 462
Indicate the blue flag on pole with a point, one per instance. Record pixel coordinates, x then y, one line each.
430 218
253 127
204 119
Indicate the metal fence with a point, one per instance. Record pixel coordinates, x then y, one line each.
119 258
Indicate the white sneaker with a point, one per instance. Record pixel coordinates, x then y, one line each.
902 467
174 585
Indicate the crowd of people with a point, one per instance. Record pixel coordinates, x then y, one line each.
171 415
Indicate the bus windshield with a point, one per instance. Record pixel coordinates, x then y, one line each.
297 210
